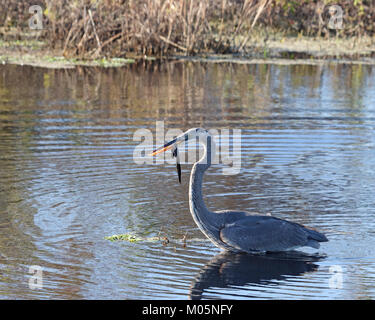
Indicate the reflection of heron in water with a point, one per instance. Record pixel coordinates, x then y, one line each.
229 269
237 231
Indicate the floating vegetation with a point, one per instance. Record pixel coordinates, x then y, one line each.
165 241
134 238
123 237
131 238
162 239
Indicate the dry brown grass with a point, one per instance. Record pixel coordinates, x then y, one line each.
148 27
95 28
153 27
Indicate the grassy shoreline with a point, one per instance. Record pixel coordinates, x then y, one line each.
290 50
114 33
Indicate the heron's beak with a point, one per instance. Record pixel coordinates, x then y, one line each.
166 147
172 145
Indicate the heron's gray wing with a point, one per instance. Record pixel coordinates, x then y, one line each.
264 233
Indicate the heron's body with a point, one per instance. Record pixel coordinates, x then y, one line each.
241 231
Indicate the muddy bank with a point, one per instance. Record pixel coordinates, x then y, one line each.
301 50
36 53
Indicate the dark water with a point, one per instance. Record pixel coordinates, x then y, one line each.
68 179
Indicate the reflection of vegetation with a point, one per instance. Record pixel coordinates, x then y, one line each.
165 91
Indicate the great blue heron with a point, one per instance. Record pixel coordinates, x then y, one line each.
238 231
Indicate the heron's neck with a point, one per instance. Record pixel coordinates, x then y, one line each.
198 209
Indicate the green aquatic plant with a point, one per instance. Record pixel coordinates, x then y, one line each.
132 238
123 237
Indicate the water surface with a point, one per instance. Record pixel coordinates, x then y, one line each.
68 179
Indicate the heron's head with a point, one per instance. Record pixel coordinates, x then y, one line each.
188 135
